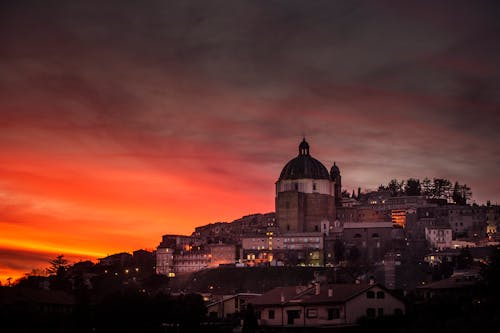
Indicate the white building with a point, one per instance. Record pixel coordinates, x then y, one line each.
320 306
439 237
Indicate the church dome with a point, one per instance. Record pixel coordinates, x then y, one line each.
304 166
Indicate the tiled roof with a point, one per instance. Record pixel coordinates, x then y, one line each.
300 294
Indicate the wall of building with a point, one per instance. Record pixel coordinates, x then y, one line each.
357 306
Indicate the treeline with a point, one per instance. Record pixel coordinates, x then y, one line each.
436 188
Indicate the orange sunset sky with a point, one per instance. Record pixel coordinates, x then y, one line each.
121 121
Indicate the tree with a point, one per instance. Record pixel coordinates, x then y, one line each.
427 187
395 187
441 188
250 323
413 187
382 188
345 194
461 194
58 265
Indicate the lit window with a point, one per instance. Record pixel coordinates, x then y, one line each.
312 313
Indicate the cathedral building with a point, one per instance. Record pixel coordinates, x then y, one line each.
307 194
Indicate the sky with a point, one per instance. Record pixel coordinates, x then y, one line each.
121 121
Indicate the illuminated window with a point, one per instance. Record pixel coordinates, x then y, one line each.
312 313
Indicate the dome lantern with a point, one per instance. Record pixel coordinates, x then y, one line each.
304 147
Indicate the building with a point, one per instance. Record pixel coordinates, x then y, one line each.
181 257
325 305
122 259
303 248
305 193
222 254
371 238
229 305
438 237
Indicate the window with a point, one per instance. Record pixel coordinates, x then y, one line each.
333 314
315 228
380 312
370 313
380 294
398 312
370 294
312 313
270 314
296 186
314 187
357 236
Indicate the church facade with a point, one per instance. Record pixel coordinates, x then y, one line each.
307 194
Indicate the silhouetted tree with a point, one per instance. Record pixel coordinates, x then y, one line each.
461 193
441 188
395 187
57 265
250 319
412 187
382 188
427 187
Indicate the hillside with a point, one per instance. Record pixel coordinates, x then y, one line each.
251 279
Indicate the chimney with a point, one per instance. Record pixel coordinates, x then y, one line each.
330 291
372 280
318 288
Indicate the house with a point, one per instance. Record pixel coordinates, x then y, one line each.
325 305
229 305
460 284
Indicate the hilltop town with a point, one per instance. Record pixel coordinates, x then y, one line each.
325 258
